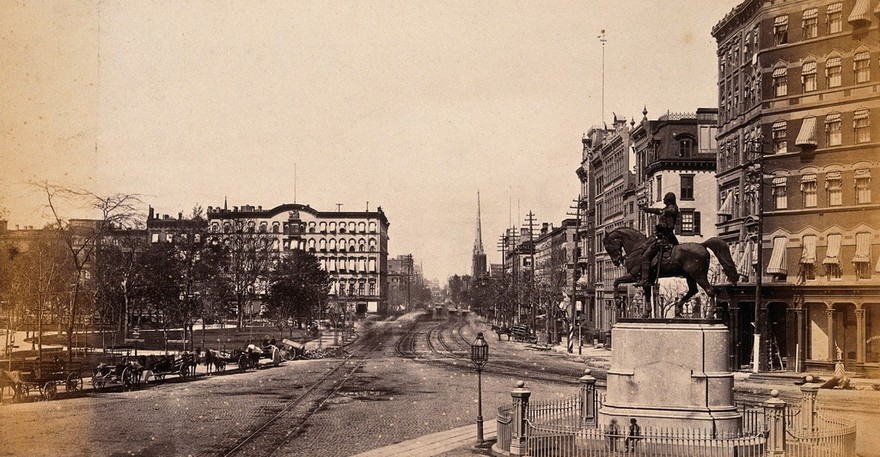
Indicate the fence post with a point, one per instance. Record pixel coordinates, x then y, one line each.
588 398
519 444
774 415
810 409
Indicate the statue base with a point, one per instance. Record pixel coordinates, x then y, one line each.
672 374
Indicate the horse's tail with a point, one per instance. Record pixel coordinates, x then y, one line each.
722 252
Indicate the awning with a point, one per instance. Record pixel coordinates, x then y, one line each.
811 13
863 248
832 254
808 255
808 68
859 115
807 179
863 173
779 181
835 8
832 180
807 135
727 205
859 13
777 258
832 62
780 72
780 20
744 267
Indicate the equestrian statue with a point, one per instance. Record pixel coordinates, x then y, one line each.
647 259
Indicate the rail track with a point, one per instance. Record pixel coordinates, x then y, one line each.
276 432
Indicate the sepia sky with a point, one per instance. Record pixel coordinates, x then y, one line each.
412 106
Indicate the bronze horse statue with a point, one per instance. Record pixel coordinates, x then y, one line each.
690 261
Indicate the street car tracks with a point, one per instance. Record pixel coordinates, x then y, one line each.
274 434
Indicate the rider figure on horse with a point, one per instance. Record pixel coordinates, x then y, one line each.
664 235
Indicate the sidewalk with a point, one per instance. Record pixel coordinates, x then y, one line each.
459 441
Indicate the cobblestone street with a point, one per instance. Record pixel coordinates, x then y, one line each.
389 399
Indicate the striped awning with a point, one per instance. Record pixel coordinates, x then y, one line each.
807 135
744 267
863 173
779 181
861 114
835 7
863 248
736 251
832 180
780 72
860 12
808 254
808 68
811 13
832 254
727 205
807 179
780 20
777 263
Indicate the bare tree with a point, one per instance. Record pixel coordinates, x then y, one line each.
249 256
80 236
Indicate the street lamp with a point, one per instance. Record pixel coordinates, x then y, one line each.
479 355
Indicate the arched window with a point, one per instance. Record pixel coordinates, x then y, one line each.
372 245
322 244
332 244
332 227
362 227
351 226
351 245
263 227
862 66
362 245
276 227
340 264
342 244
311 227
215 227
332 266
808 76
372 227
226 227
832 71
322 227
780 81
311 245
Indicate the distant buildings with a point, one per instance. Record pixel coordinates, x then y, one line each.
798 163
352 246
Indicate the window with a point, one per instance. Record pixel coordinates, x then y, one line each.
659 188
808 76
834 17
862 258
690 222
810 23
832 72
832 257
779 138
832 130
707 138
862 66
687 187
780 193
780 82
832 187
372 288
685 146
863 186
860 126
780 30
154 238
808 190
276 227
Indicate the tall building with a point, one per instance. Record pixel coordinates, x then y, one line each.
798 83
352 246
605 175
478 268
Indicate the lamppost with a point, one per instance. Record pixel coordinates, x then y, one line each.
479 355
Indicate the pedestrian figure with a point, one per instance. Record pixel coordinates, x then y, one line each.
633 436
664 236
613 435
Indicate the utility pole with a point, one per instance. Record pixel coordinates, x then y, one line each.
530 218
574 275
602 39
762 337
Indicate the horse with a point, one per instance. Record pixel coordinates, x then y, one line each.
502 330
690 261
213 362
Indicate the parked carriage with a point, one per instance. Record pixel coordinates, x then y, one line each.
43 376
175 364
128 373
246 358
291 350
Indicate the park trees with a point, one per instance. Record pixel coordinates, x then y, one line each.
249 255
297 289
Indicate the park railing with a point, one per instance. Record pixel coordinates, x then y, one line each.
568 427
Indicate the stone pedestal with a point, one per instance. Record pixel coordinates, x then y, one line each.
671 373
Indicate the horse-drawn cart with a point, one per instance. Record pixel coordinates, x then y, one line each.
522 333
127 373
291 350
163 365
43 376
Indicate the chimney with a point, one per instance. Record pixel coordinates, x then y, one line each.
180 215
544 227
150 213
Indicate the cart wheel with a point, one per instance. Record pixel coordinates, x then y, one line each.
23 391
97 382
184 371
127 378
49 390
74 381
243 362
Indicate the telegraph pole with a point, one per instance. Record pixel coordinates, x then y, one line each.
530 218
762 337
574 274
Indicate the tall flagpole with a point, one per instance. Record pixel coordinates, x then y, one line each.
602 39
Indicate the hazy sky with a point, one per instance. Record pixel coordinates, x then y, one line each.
412 106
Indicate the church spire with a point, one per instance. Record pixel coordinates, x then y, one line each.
479 258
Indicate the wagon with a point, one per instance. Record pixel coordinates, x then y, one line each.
128 374
291 350
523 333
245 358
163 365
43 376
